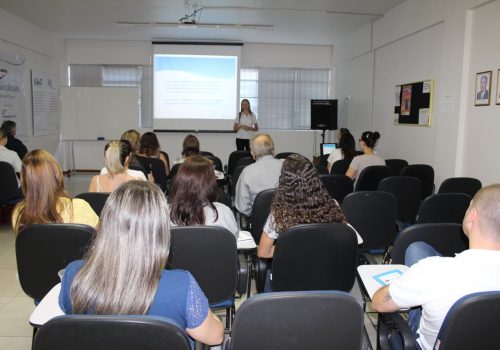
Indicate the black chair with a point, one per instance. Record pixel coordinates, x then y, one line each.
337 185
260 212
234 179
299 320
448 239
443 207
206 153
95 199
371 176
10 193
373 215
323 164
467 185
209 253
233 158
216 162
396 165
425 173
42 250
408 191
157 167
222 197
83 332
340 166
244 162
471 323
315 257
284 155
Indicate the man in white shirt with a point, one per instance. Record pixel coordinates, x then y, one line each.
435 283
259 176
6 155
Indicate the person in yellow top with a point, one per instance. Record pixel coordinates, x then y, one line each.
45 199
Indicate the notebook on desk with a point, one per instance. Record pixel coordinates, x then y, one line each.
245 241
375 277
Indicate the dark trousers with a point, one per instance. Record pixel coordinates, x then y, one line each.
242 145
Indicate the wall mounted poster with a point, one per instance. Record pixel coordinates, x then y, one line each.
12 93
406 100
483 88
413 104
45 98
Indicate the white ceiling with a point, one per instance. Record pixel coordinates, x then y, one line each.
295 21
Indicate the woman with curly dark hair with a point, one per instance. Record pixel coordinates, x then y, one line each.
300 198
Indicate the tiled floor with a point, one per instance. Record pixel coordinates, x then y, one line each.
16 307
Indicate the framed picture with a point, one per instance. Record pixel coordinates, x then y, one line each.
498 88
483 88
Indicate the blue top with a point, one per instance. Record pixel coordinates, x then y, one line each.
178 296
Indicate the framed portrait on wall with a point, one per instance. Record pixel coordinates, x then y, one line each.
483 88
498 88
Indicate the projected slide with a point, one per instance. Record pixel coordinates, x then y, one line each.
195 87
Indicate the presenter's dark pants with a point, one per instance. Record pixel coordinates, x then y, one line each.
243 144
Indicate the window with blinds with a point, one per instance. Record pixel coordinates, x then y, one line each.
281 97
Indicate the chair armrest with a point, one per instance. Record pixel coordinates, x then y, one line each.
260 273
365 341
243 272
393 321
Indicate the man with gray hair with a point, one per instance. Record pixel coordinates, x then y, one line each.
259 176
435 283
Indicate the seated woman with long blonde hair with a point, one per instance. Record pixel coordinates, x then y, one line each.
123 272
45 199
116 159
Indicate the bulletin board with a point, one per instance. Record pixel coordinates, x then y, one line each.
413 103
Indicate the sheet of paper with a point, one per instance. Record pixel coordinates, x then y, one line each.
385 278
397 96
427 87
396 118
245 241
423 116
406 100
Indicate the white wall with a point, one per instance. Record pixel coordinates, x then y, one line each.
481 141
44 53
221 144
418 40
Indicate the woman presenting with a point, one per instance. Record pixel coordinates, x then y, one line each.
244 124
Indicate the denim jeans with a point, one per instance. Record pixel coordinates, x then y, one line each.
414 253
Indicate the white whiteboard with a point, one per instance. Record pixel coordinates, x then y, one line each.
90 113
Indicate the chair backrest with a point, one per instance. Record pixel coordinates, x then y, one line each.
298 320
371 176
233 158
337 185
157 168
222 197
260 211
425 173
396 165
82 332
467 185
284 155
323 164
315 257
471 323
408 191
340 166
206 153
44 249
234 179
216 162
8 185
209 253
448 239
373 215
443 207
244 162
95 199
